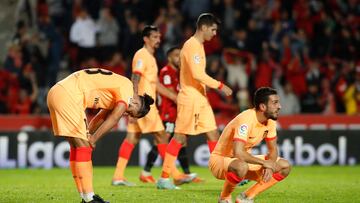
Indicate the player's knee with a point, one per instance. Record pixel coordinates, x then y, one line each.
285 166
240 168
181 139
132 138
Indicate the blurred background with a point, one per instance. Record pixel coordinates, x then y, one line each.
307 49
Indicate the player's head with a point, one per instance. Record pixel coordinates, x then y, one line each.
140 106
173 56
208 24
267 100
151 36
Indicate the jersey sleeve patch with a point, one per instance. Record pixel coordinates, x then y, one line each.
139 64
197 59
243 131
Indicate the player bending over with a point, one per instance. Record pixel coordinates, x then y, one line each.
67 101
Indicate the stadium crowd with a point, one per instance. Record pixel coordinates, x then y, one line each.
307 49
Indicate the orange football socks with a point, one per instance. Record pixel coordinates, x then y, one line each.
72 160
211 145
84 170
125 151
261 186
172 151
231 180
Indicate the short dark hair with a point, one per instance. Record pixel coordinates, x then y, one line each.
146 101
148 29
168 52
207 19
261 96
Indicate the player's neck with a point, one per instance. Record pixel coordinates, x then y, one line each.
261 118
199 37
149 49
172 66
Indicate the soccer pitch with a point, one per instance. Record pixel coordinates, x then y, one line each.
305 184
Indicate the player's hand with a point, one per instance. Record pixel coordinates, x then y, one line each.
267 174
226 90
270 165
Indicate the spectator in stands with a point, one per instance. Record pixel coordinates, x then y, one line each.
290 31
237 67
352 95
132 40
172 32
238 40
48 29
108 34
220 103
116 64
310 102
4 88
264 71
13 61
25 100
83 34
290 102
314 75
327 97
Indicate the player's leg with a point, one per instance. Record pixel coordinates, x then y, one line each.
145 175
282 172
65 117
212 138
124 154
184 163
72 160
182 157
159 147
236 172
183 160
172 151
82 168
161 138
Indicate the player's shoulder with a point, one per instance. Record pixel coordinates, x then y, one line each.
190 43
141 53
165 69
271 123
248 114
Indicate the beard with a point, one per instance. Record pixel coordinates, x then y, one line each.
157 45
270 115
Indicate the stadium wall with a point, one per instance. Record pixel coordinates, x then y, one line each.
40 149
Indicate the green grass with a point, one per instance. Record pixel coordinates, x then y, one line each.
305 184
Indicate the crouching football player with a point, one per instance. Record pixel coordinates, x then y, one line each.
231 159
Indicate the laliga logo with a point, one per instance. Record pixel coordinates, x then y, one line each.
37 154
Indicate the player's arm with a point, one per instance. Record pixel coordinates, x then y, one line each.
200 75
109 122
135 78
273 149
167 92
98 119
272 156
241 153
